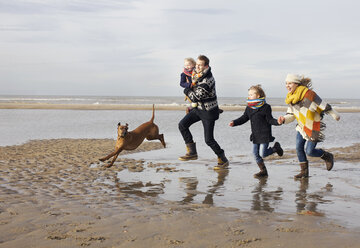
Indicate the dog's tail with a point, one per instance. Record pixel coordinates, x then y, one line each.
153 114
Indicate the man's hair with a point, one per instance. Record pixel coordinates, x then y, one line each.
204 58
257 88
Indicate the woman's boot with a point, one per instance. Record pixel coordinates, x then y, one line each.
329 160
191 152
263 171
304 173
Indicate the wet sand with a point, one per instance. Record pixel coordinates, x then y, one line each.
55 193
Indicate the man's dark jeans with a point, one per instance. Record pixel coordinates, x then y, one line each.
193 117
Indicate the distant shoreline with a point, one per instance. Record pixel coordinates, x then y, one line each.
134 107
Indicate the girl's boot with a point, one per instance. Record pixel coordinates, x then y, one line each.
304 173
263 171
277 148
329 160
191 153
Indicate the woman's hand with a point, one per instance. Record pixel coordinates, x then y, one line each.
281 120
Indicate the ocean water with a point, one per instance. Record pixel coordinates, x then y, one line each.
334 194
170 100
20 125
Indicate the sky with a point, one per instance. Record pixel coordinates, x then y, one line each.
137 47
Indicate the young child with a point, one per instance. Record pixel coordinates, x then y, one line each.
259 114
186 78
307 108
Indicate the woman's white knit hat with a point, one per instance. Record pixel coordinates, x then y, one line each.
293 78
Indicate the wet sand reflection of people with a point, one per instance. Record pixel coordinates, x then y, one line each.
190 190
261 198
307 203
214 188
192 182
301 195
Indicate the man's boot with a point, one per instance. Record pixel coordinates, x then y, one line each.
263 170
277 148
304 173
223 162
329 160
191 152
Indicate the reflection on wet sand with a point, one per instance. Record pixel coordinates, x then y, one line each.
214 188
307 203
192 183
262 198
142 189
190 188
203 185
139 188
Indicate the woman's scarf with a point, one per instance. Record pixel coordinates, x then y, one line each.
297 95
256 103
187 72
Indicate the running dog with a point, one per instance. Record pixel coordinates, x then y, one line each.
131 140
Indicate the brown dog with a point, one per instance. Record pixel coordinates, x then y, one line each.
131 140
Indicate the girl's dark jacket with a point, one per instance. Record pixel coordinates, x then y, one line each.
185 80
261 120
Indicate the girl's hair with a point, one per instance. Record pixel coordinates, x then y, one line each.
257 88
305 81
191 60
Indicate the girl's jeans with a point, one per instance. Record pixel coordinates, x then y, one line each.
261 151
309 150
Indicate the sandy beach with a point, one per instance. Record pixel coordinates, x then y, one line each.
55 193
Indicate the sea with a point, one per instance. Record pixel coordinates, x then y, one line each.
21 125
333 194
158 100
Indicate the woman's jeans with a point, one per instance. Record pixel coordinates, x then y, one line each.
191 118
309 149
261 151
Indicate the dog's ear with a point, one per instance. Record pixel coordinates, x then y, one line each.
127 125
119 124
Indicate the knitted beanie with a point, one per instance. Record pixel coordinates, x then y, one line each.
293 78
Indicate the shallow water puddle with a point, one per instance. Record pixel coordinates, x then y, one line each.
325 193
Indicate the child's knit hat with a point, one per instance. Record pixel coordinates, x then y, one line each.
293 78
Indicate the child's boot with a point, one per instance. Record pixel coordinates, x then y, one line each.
277 148
263 171
304 173
223 162
329 160
191 153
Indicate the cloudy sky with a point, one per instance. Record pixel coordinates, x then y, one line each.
137 47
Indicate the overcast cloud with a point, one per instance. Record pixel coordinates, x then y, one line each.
112 47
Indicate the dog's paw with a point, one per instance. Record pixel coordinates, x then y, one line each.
108 165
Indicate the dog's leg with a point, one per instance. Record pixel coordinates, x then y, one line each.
113 160
110 155
161 138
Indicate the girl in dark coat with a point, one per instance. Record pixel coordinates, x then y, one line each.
259 114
